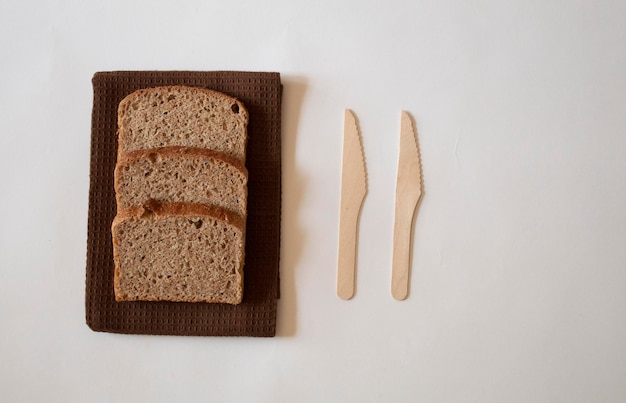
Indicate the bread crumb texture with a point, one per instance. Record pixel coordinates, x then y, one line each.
181 190
178 174
195 258
182 116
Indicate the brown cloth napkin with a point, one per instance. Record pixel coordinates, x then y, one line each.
256 315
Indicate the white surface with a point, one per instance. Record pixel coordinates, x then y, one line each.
518 287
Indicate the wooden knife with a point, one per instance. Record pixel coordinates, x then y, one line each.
408 193
353 190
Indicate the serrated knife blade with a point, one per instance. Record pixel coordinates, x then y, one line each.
353 190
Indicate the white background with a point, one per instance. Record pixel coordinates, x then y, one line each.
519 274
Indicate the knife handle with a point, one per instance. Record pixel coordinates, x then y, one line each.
402 250
348 230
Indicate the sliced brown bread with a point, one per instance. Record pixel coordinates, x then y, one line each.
181 174
178 252
182 116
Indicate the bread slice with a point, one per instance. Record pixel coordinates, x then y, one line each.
182 116
181 174
178 252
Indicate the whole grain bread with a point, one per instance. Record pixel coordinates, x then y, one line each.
181 174
178 252
182 116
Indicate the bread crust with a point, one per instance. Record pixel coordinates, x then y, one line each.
178 209
176 151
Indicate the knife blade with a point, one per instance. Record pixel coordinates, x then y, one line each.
353 190
408 193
